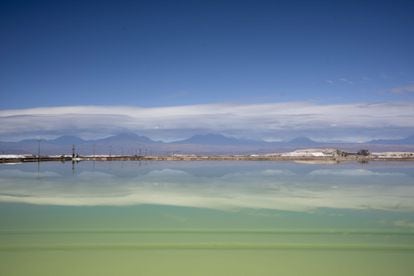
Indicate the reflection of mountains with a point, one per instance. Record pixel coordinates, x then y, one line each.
258 186
127 169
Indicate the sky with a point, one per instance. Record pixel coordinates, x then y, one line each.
80 56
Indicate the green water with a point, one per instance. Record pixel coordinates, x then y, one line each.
207 218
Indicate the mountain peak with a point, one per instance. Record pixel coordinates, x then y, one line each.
302 140
128 136
215 139
404 141
209 138
67 139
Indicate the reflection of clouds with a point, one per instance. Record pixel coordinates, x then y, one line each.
166 172
353 172
261 173
261 188
15 173
404 223
94 175
272 172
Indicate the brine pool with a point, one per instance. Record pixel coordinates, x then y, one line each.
207 218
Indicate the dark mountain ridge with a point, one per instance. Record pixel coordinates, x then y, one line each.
131 143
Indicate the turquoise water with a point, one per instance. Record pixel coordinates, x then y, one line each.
207 218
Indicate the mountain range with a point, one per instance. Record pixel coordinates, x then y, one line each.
131 143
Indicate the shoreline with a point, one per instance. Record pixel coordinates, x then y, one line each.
305 159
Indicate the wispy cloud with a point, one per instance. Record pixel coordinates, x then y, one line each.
249 119
345 80
409 88
340 80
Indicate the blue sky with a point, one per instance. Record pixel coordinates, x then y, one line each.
174 53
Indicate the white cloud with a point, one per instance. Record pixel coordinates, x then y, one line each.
346 80
254 119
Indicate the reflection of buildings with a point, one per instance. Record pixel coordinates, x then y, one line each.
393 154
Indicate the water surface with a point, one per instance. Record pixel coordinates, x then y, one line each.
207 218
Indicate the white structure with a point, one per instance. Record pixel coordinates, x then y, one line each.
15 156
311 153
